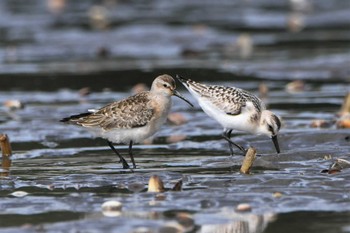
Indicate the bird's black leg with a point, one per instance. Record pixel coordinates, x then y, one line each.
131 155
227 136
122 160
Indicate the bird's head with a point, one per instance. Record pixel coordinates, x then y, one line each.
270 125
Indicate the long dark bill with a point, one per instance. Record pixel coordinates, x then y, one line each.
177 94
275 142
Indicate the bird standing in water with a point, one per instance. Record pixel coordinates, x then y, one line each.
133 119
235 109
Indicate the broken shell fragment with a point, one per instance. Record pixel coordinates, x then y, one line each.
340 164
155 184
248 160
337 166
177 186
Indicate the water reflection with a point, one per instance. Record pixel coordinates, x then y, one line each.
242 223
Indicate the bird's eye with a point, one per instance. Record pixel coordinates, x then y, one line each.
270 128
165 85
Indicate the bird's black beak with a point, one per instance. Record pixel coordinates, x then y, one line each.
176 93
275 142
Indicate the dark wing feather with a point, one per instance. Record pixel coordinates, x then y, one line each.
230 100
129 113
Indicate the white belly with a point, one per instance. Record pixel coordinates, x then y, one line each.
136 135
239 122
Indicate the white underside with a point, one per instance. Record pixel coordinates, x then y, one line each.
239 122
136 135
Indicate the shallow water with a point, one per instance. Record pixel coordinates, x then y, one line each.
67 174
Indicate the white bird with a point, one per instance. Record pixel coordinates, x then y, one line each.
133 119
235 109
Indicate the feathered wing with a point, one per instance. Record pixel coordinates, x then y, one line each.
230 100
129 113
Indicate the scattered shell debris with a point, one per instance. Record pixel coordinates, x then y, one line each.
321 123
156 185
342 120
337 166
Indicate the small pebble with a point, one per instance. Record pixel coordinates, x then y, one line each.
295 86
13 104
243 207
111 208
19 194
319 123
277 194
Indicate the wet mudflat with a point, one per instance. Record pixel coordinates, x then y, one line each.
67 174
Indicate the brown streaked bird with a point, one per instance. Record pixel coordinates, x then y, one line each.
235 109
133 119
